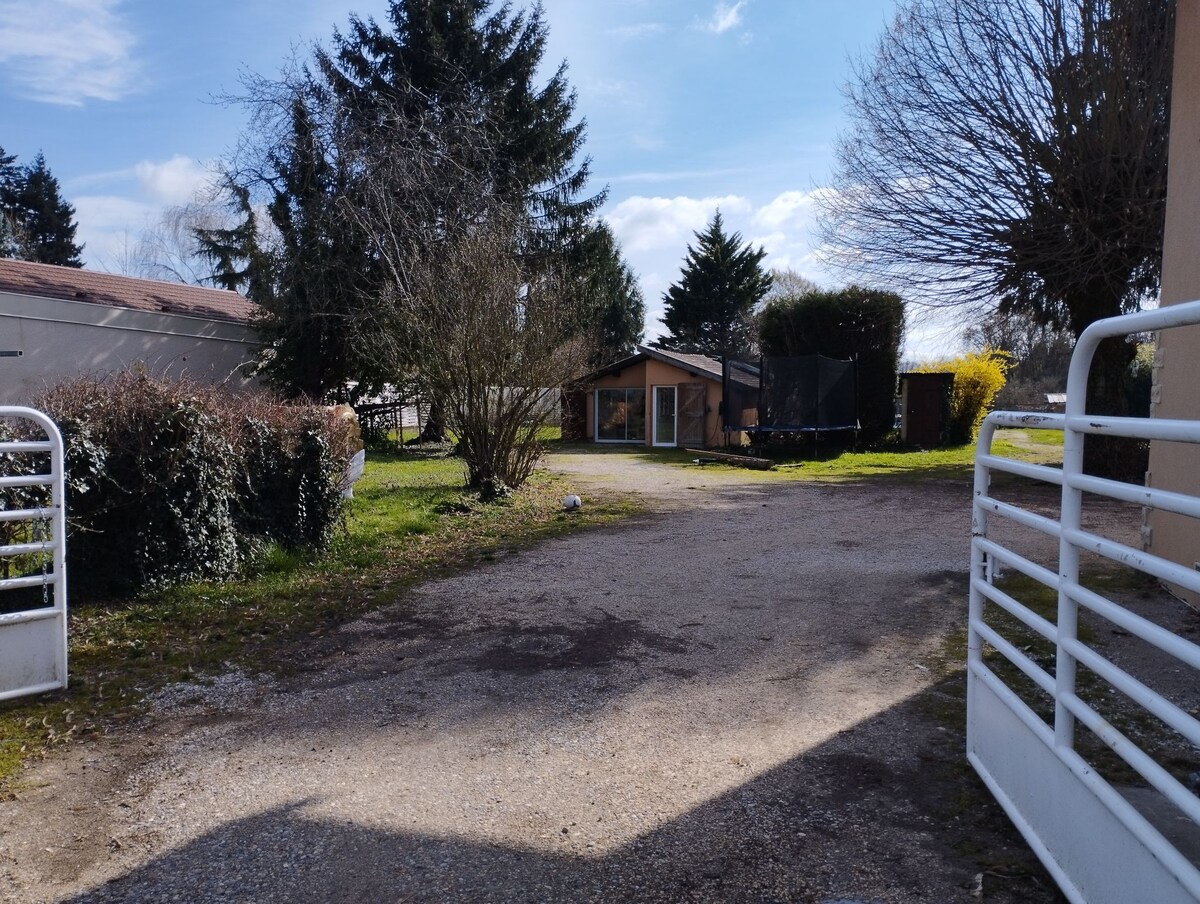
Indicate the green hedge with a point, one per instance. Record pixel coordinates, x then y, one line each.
170 482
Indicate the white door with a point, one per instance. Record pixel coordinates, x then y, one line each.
664 415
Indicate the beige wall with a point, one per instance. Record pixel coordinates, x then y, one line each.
650 373
1177 365
60 339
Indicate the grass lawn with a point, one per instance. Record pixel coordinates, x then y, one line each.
410 519
1037 446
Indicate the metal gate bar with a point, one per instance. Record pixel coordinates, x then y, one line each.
1096 844
33 642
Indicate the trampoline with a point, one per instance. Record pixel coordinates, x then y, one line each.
810 394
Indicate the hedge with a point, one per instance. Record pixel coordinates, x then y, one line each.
170 482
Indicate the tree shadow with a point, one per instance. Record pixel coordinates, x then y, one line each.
833 823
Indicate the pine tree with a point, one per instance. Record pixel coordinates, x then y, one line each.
451 54
45 223
10 237
441 105
233 254
710 309
308 280
611 293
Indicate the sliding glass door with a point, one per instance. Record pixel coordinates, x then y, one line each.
621 415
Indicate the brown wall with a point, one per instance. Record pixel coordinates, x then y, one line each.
1177 362
650 373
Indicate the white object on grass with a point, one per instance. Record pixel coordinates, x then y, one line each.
572 502
354 470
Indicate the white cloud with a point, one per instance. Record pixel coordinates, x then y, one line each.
610 89
113 208
654 233
724 17
788 207
643 223
107 225
636 30
67 51
175 181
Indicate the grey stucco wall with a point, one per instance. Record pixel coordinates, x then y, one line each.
60 339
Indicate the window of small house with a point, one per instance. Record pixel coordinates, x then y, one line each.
621 415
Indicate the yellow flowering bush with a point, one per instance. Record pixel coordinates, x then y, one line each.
978 377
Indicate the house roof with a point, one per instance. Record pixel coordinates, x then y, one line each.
73 284
696 365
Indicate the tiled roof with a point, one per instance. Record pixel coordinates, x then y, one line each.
694 362
697 365
72 284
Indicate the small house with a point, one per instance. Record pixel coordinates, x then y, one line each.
651 398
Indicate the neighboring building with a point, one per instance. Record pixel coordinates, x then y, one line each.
654 398
60 322
1176 466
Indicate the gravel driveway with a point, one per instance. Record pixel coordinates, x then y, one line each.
734 698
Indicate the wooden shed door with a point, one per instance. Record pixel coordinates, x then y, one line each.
691 414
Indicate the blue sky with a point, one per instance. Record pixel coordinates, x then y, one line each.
690 105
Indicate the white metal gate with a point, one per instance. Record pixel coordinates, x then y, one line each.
33 638
1091 837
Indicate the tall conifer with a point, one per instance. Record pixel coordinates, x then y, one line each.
612 294
40 225
454 54
710 309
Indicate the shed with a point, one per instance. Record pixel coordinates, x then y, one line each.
925 408
653 398
62 322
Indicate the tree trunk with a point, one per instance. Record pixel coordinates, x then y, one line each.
435 425
1107 456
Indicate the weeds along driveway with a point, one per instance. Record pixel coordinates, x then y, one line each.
736 698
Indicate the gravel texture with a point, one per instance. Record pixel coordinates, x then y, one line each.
725 700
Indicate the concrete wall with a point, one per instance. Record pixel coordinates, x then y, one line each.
650 373
1177 363
60 339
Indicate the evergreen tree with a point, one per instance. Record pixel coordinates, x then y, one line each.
10 240
308 279
443 55
710 310
611 292
428 121
45 223
233 254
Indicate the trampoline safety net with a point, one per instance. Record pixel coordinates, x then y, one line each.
739 396
805 394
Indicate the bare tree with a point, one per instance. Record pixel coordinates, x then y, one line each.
496 343
1012 154
788 283
488 330
170 250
